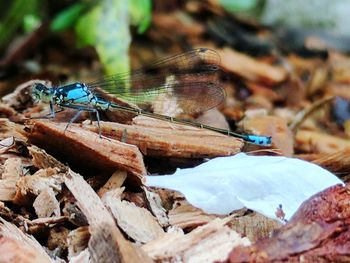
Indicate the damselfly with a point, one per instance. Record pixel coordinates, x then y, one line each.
188 82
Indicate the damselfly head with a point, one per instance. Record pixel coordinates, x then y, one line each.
41 92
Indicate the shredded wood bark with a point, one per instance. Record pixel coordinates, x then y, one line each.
207 243
160 138
107 243
43 160
186 216
77 240
30 186
318 142
138 223
19 246
251 69
11 129
87 147
46 204
155 205
12 171
114 182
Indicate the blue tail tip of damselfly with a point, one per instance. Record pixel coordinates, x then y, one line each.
259 139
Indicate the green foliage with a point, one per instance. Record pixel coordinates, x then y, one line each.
141 14
12 20
108 23
104 24
68 17
235 6
31 22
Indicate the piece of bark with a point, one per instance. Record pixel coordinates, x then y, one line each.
104 154
43 160
250 68
107 243
254 226
207 243
28 187
318 232
46 204
6 110
77 240
13 170
186 216
138 223
318 142
155 205
15 244
115 181
160 138
11 129
282 137
12 250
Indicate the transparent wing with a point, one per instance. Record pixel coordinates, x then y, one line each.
190 80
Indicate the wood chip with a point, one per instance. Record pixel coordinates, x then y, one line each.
208 243
78 240
115 181
107 243
317 142
13 170
43 160
138 223
19 247
31 186
155 205
160 138
11 129
186 216
254 226
102 153
46 204
250 68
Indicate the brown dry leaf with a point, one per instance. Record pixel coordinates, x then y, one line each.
207 243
